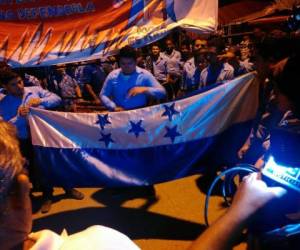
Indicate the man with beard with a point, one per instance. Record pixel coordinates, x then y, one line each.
157 64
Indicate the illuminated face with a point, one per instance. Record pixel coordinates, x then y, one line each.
199 44
127 65
15 87
155 50
184 49
169 45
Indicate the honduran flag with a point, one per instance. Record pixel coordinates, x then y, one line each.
147 145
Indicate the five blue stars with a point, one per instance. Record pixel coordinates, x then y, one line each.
136 128
103 121
172 133
106 138
170 111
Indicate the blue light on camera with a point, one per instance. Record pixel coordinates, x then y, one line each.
285 175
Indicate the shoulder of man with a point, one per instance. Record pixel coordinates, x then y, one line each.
190 61
32 89
142 71
114 74
228 67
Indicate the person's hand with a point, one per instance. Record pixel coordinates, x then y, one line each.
278 67
97 102
34 102
23 111
253 194
79 100
118 109
260 163
136 91
243 150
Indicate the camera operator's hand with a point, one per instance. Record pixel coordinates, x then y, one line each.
243 150
251 195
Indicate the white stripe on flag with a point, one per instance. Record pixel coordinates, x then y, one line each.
193 118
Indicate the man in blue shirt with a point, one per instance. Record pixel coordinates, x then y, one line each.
15 107
130 86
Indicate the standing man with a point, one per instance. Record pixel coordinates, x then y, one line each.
156 64
129 87
193 67
173 58
68 88
14 108
90 77
217 71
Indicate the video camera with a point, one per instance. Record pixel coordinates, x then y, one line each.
283 165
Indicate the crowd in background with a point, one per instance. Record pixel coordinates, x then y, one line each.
180 68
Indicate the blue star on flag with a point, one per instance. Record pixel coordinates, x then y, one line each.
170 111
172 133
136 128
103 121
106 138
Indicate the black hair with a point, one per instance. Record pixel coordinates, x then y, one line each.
4 65
288 82
128 52
186 43
7 76
155 44
274 48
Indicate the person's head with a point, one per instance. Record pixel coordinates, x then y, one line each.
11 160
211 55
258 34
199 44
3 68
15 205
169 46
12 83
185 50
59 71
155 50
246 38
287 82
127 60
269 52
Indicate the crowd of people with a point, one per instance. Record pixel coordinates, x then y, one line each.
181 69
132 80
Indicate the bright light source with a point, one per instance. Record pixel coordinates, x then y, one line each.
287 176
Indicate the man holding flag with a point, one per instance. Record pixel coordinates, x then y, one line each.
14 108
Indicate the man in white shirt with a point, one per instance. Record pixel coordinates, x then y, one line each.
216 71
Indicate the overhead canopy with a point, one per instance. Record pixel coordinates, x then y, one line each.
58 31
259 10
232 11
